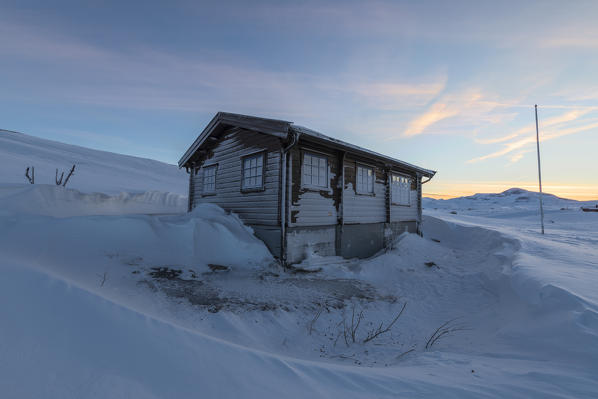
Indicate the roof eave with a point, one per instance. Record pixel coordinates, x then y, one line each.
274 127
361 151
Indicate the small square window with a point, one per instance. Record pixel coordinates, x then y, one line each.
253 172
209 179
365 180
315 170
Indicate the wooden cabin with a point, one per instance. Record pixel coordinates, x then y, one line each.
303 192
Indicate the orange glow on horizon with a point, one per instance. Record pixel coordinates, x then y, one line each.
448 191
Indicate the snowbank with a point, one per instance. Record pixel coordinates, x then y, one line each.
81 316
96 171
223 239
62 338
74 234
56 201
58 341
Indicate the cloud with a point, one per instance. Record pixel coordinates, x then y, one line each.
579 38
546 136
146 78
567 117
435 113
396 96
518 155
470 107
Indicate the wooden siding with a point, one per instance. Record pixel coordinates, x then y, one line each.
312 207
403 213
258 207
363 208
322 207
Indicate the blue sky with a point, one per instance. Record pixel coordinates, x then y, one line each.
446 85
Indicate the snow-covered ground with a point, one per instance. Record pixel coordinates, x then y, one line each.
116 295
95 171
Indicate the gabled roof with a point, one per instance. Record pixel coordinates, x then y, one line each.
224 120
283 129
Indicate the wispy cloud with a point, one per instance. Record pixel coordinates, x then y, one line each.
518 155
393 96
556 120
435 113
468 107
142 78
550 134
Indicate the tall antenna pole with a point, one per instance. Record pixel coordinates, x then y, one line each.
539 170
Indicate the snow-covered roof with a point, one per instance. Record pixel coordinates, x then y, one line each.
281 129
360 150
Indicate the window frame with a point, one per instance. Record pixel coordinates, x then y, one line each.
262 186
317 155
373 169
397 201
203 177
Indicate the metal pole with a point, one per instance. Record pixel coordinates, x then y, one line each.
539 170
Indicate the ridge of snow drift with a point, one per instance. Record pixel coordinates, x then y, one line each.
96 171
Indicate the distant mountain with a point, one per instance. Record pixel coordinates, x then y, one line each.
96 171
517 195
508 199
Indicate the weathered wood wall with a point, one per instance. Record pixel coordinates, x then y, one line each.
254 208
364 208
403 213
313 207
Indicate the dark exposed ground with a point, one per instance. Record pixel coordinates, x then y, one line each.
260 290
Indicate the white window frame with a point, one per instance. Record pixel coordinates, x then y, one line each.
400 189
257 172
207 173
369 184
321 171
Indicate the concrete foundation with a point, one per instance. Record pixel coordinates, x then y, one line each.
348 241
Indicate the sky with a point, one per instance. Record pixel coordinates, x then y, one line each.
446 85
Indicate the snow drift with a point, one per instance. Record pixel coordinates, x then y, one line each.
96 171
45 225
56 201
82 313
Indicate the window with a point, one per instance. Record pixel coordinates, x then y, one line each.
315 170
365 180
253 172
401 190
209 179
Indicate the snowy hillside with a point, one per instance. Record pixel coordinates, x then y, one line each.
112 295
96 171
509 201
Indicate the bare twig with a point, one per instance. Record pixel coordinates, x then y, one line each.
68 176
310 325
340 332
355 326
405 353
350 331
103 278
31 178
444 330
57 180
381 329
